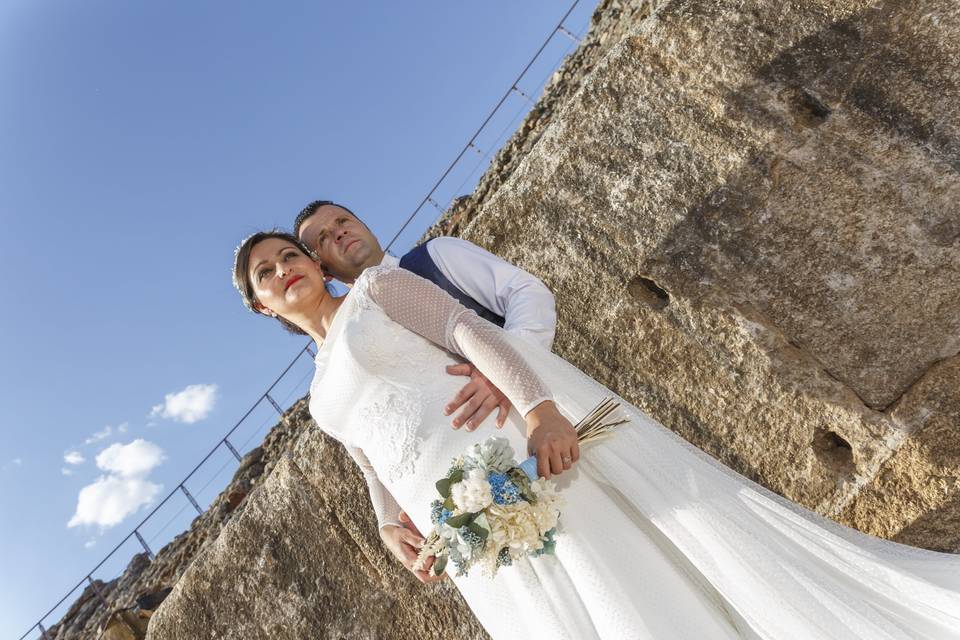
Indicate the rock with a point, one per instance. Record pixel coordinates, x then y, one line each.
915 496
747 212
148 602
234 498
124 625
284 569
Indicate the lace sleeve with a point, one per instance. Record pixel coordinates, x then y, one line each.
384 504
428 310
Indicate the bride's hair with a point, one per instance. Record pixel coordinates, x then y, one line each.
241 270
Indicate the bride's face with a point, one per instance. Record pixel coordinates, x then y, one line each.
284 280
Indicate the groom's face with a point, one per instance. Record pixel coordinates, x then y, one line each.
343 244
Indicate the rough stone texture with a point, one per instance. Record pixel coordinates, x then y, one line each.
611 21
286 568
749 215
918 489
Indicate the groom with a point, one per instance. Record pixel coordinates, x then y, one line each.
495 289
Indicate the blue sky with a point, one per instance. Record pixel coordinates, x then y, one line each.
138 143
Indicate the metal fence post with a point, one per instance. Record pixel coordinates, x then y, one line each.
190 498
97 591
274 403
570 35
525 96
236 454
144 544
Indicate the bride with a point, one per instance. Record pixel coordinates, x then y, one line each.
656 539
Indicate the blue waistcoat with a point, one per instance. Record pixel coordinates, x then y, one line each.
418 261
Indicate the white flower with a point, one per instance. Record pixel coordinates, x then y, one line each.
473 492
546 511
493 454
515 526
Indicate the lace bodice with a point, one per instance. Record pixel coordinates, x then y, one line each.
381 378
426 309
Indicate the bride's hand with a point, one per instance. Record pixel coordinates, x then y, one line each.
552 438
404 543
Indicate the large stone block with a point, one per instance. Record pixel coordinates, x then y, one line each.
915 497
749 215
287 568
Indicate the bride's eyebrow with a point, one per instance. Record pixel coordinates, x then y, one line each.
260 262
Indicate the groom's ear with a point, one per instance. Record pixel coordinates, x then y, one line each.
327 276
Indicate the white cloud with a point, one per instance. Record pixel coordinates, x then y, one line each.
135 459
73 457
65 471
111 498
90 543
190 405
99 435
123 427
123 489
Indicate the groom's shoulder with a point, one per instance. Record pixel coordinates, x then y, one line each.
449 246
443 242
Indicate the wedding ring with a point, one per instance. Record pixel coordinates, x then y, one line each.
566 459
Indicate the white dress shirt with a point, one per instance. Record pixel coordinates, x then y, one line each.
507 290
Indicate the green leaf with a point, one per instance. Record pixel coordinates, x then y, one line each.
458 521
456 476
439 565
448 504
477 529
443 486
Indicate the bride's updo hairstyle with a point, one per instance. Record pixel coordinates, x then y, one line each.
241 270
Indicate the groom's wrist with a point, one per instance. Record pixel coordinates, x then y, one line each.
541 413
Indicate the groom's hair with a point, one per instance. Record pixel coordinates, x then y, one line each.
311 209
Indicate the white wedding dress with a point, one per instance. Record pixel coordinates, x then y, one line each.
656 538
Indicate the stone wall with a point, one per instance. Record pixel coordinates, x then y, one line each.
748 213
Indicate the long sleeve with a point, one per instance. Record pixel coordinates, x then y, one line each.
523 300
384 504
428 310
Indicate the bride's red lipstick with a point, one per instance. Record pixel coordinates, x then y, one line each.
291 281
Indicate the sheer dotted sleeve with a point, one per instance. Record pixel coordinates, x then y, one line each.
426 309
384 505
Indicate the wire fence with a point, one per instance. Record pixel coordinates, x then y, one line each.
226 447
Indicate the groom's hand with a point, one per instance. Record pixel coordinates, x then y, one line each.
478 398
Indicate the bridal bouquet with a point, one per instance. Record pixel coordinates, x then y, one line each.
493 510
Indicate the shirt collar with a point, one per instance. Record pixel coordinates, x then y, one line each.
390 261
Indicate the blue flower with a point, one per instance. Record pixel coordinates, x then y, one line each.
503 489
444 516
470 537
436 508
